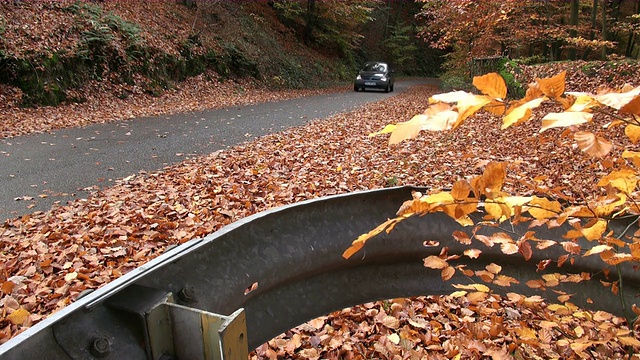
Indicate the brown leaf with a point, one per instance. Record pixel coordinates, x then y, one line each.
593 145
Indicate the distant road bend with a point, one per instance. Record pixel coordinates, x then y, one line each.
62 163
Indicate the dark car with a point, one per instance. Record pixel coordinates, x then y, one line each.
374 75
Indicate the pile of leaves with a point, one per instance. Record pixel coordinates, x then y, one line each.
582 76
49 258
454 327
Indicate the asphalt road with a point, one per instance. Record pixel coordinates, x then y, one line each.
39 170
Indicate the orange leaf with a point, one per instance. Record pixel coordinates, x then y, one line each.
491 180
462 237
509 248
447 273
434 262
632 107
460 190
633 132
472 253
598 249
592 144
357 244
503 280
407 130
553 87
7 287
493 268
491 84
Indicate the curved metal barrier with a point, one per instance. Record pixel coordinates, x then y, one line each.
283 267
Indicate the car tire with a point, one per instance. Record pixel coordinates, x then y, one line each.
386 89
391 87
355 88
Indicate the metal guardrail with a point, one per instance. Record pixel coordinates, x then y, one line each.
273 271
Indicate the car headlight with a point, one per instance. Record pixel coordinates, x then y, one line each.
358 77
384 78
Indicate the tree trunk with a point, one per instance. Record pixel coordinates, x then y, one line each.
604 29
573 22
594 24
631 40
310 20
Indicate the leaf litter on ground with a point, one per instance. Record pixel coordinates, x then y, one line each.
49 258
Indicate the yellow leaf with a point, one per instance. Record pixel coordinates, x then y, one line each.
583 102
495 211
558 308
618 100
19 316
633 155
468 106
434 262
595 231
543 208
394 338
564 119
513 201
476 287
624 180
633 132
491 84
521 113
387 130
629 341
592 144
458 294
553 87
440 198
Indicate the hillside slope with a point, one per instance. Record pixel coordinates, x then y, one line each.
54 52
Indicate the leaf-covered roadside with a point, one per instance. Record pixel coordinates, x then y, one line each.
49 258
454 327
196 93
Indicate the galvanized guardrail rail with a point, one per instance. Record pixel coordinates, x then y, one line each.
193 301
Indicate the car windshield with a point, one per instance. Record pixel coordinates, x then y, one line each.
374 66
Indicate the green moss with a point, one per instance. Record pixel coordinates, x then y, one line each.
506 68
